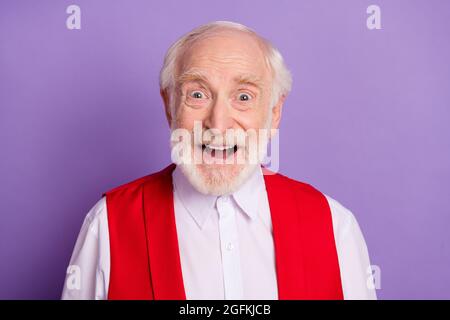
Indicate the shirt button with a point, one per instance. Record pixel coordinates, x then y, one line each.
230 246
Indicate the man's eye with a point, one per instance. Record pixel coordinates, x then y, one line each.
244 97
197 95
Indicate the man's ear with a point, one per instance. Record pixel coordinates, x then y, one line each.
165 96
276 112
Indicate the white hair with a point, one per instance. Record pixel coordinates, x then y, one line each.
281 76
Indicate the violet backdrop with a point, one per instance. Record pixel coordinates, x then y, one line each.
366 122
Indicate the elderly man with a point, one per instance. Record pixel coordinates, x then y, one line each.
215 224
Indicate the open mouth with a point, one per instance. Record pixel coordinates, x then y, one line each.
220 152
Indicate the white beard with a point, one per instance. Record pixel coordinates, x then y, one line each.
216 181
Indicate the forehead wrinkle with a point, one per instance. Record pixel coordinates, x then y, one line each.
245 64
196 65
200 55
243 61
200 68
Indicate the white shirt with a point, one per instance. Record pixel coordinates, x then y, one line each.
226 246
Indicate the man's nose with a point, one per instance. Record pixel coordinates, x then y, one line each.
219 116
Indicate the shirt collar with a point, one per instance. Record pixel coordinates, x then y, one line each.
200 206
249 194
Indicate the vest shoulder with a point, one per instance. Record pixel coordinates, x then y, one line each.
136 184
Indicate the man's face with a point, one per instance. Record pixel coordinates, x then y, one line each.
222 82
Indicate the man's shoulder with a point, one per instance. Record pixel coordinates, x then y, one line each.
136 184
339 211
343 217
283 181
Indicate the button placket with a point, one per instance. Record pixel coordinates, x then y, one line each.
229 249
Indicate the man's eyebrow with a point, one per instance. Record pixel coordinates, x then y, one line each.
197 75
250 80
192 75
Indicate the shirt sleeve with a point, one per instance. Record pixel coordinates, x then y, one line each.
87 275
353 256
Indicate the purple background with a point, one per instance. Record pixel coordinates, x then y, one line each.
366 122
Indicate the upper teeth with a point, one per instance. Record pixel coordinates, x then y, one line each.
220 148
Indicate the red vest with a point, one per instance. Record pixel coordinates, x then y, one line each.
145 260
